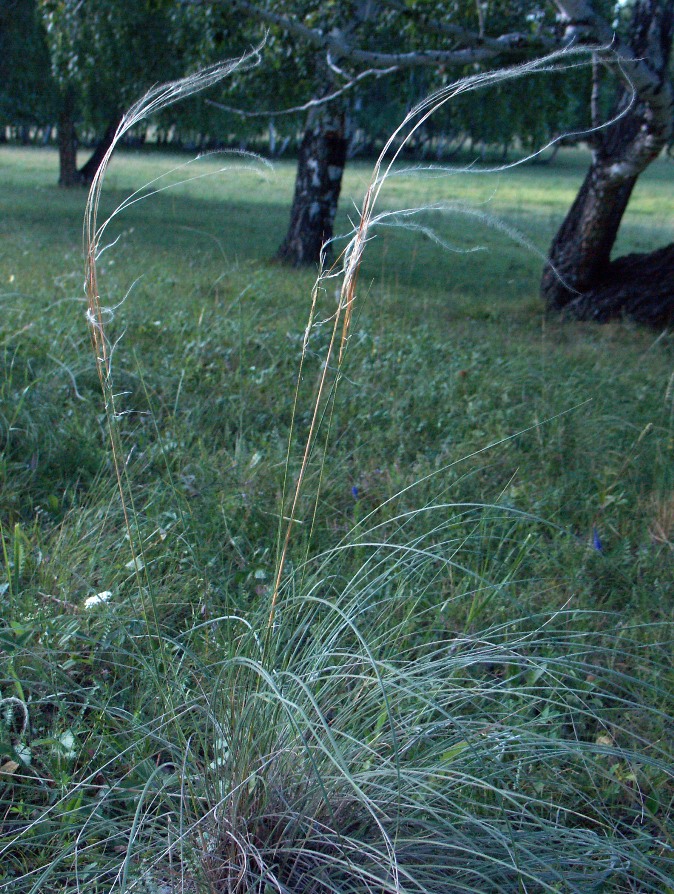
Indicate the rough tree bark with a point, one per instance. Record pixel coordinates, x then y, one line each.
69 174
580 279
320 167
88 170
67 142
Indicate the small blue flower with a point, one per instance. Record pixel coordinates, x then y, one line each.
596 541
354 492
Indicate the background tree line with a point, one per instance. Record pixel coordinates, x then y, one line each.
351 70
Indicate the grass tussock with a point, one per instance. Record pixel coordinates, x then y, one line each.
408 634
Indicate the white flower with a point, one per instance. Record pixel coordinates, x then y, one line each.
103 596
135 564
23 752
66 745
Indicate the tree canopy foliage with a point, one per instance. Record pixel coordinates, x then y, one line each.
27 92
337 77
103 54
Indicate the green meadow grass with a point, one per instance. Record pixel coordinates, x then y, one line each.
474 457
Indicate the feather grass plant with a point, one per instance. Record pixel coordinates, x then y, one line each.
347 734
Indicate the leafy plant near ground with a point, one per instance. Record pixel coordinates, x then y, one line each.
465 682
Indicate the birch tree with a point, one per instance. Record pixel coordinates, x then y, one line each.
377 37
581 279
365 39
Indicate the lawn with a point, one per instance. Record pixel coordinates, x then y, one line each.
469 665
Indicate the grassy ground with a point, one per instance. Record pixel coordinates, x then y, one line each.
486 479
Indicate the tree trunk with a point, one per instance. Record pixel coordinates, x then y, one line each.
69 174
580 278
67 142
320 167
638 286
87 171
580 252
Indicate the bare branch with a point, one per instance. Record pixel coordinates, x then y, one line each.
312 36
312 103
435 26
335 41
583 25
646 72
506 45
595 116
